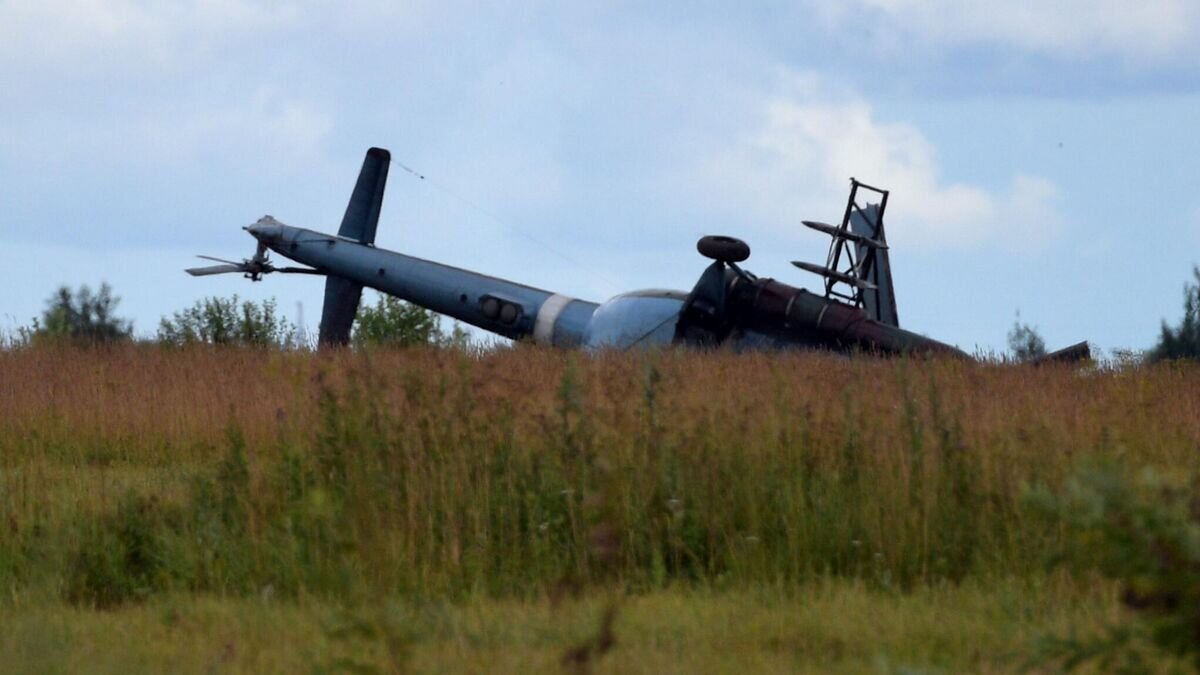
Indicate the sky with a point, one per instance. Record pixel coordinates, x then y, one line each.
1042 156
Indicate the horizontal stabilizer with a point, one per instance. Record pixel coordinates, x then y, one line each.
835 275
341 306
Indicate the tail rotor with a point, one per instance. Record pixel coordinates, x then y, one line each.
252 268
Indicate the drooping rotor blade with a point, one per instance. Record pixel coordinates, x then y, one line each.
220 260
844 234
835 275
215 269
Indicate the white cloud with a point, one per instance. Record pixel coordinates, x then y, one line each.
1148 30
809 143
139 33
268 121
224 127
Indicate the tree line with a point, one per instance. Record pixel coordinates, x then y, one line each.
1181 341
89 317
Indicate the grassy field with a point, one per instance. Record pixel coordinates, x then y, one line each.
431 510
826 627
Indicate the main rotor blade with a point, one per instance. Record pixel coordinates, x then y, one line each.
220 260
215 269
843 234
835 275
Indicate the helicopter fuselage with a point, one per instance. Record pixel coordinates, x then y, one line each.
761 313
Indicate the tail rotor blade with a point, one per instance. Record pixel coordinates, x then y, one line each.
220 260
215 269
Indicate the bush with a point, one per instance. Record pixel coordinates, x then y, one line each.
81 316
393 321
225 321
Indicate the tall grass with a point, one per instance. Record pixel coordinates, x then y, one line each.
129 471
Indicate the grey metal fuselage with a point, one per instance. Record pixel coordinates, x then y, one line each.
513 310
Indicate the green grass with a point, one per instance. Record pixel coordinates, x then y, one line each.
822 627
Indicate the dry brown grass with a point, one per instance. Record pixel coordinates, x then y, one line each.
443 471
137 399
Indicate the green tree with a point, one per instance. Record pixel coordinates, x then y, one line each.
226 321
392 321
1024 341
1183 341
81 316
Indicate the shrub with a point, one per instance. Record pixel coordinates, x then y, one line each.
393 321
225 321
81 316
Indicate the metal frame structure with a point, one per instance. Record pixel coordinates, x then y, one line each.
852 266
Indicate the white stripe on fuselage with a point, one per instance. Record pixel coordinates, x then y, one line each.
543 326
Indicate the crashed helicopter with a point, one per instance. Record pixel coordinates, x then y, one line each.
729 305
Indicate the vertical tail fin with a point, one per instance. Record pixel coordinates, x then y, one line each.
360 222
880 302
362 213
